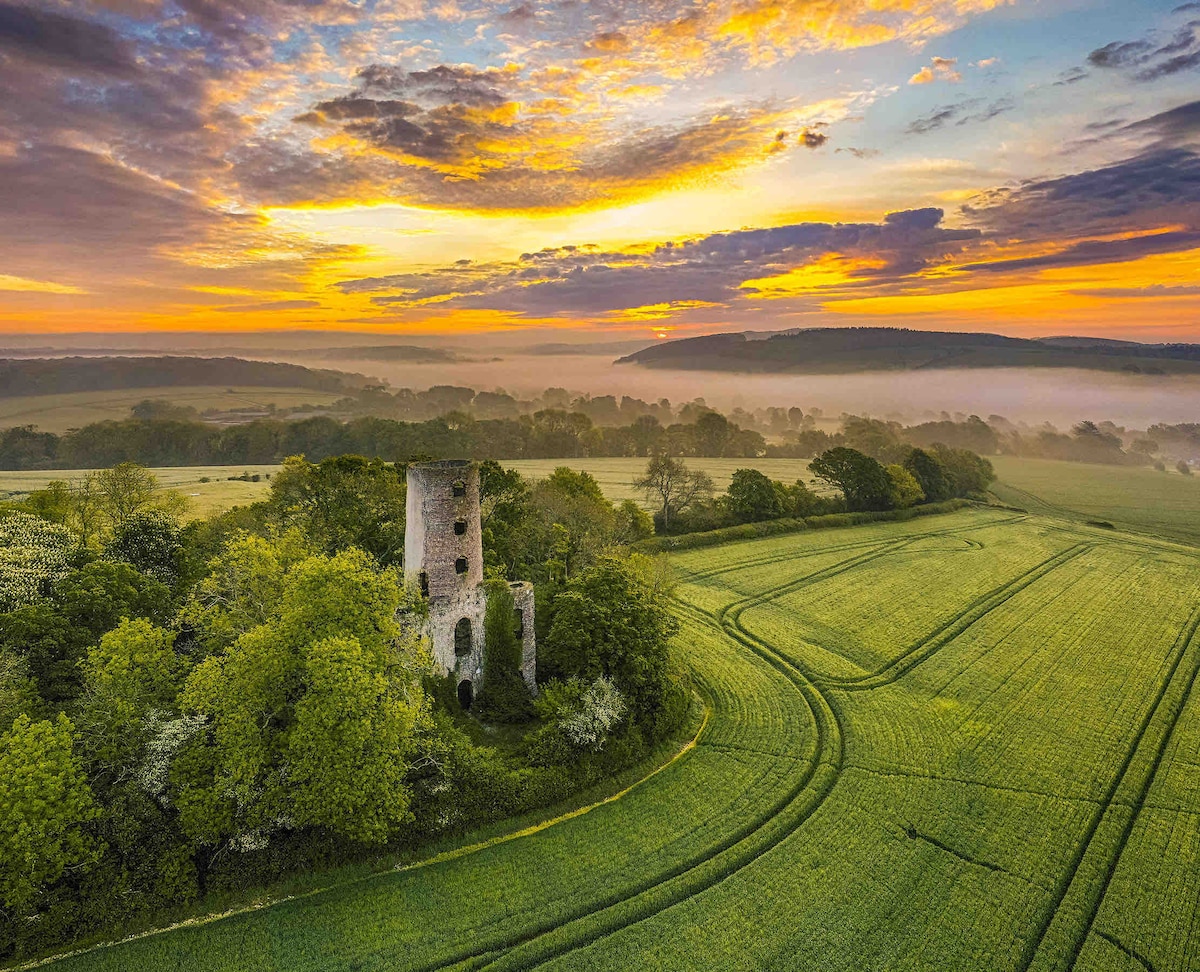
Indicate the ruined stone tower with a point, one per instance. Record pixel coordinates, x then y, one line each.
443 552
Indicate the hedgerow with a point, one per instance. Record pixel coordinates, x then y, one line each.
770 528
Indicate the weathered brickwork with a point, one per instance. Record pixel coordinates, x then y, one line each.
443 553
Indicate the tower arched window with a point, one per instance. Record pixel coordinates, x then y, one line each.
460 565
460 527
462 637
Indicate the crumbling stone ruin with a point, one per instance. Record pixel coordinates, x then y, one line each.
443 553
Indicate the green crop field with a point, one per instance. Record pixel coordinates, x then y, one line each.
957 743
1134 498
57 413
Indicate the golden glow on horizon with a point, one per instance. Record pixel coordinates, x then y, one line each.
442 168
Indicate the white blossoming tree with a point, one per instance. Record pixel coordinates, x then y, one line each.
583 714
34 553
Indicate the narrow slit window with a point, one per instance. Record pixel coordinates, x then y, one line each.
519 622
424 578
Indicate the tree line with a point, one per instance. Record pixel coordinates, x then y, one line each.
548 434
161 435
686 501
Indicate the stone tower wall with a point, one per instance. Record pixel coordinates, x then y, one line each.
457 601
522 593
444 616
432 509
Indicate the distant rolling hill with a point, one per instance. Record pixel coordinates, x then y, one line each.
49 376
837 350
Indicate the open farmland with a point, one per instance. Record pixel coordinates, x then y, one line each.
957 743
1136 498
208 489
60 412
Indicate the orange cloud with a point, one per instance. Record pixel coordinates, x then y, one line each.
939 69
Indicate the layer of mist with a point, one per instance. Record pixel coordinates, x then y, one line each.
525 365
1030 395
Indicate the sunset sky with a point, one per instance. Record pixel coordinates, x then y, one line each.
618 167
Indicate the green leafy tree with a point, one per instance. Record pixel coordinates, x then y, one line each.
906 491
18 695
863 481
342 502
930 474
130 674
874 437
632 523
100 594
798 500
311 714
712 434
54 502
125 489
505 517
50 646
576 521
45 806
752 497
243 586
52 636
610 622
151 541
966 471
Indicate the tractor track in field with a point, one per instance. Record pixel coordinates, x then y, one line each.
947 632
818 703
776 558
690 878
1095 894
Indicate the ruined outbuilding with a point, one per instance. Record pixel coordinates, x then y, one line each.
443 553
